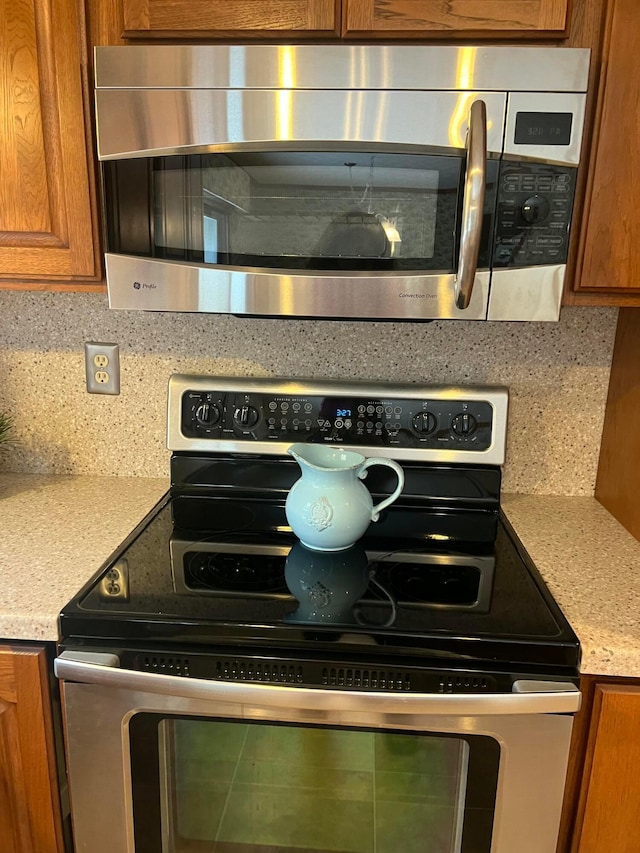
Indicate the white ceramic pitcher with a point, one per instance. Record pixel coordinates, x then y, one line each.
329 508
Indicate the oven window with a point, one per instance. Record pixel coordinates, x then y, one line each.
294 210
236 787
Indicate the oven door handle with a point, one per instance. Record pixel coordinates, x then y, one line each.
528 697
472 204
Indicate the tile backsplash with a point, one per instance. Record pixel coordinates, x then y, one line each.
557 374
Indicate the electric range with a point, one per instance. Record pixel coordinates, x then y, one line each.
438 596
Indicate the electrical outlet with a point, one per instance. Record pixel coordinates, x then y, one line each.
115 584
102 367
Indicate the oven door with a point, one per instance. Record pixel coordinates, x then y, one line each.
166 764
335 203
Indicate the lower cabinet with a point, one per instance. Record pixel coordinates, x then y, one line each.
30 820
602 807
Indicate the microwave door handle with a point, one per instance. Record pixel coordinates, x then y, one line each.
473 203
528 697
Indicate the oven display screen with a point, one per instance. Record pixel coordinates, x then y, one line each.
343 413
543 128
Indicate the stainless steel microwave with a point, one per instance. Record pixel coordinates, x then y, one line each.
338 181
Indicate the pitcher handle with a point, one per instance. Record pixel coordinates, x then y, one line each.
362 473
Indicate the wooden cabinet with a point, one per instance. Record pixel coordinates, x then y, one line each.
390 19
619 464
464 18
608 266
47 196
29 808
605 813
232 18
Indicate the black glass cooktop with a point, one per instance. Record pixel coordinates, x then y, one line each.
428 585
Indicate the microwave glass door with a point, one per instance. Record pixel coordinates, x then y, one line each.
204 785
293 210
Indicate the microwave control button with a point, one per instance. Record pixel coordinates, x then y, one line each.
535 209
424 423
550 241
207 414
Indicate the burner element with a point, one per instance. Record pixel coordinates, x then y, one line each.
434 584
233 572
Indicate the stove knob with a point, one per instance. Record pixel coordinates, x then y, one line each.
207 414
464 424
424 423
246 417
535 209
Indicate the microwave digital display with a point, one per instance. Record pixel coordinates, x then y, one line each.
543 128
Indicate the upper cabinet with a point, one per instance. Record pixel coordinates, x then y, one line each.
440 18
240 18
47 211
608 268
389 19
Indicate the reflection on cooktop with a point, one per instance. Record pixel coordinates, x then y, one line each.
414 579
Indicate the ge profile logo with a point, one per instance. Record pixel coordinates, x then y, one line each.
136 285
143 285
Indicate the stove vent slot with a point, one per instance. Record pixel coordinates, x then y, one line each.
165 666
464 684
371 679
277 673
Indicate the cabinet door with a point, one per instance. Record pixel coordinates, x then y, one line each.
46 225
397 18
29 810
609 808
609 260
167 18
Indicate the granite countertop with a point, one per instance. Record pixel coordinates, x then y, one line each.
591 564
57 531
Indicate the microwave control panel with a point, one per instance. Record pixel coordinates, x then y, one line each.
533 214
372 422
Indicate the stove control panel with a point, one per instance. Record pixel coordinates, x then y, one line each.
406 421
